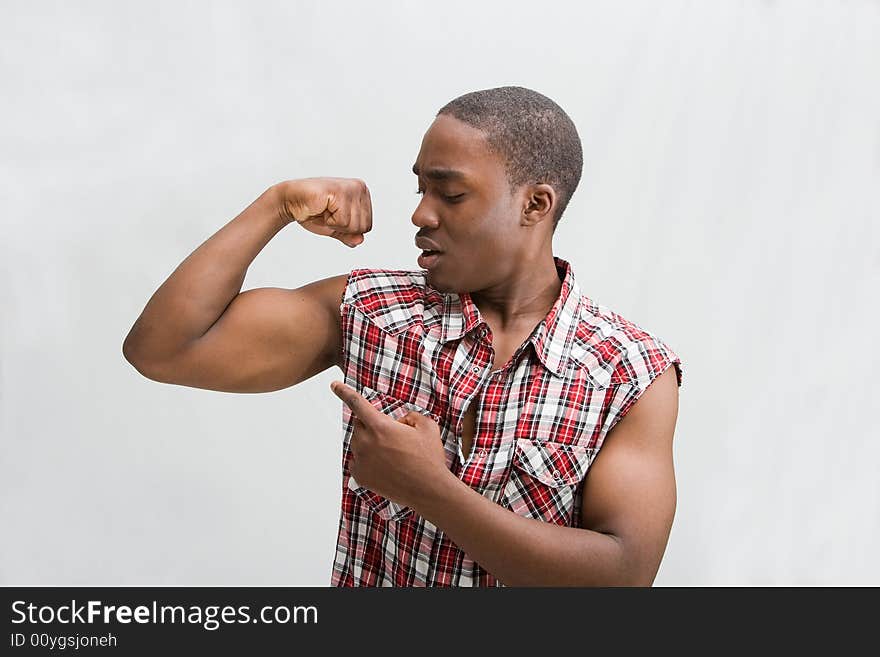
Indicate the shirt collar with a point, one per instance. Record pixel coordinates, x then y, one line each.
553 336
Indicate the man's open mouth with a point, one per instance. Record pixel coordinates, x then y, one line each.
429 258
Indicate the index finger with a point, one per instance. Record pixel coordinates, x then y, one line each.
363 409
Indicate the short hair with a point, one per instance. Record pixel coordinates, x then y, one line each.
532 134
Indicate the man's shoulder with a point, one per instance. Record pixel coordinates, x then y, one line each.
625 351
393 299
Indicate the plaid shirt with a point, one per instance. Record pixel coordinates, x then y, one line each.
541 419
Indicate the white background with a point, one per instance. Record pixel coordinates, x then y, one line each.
728 204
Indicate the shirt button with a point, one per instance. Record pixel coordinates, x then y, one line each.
483 453
556 474
475 369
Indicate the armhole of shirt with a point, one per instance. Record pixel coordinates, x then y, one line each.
345 326
655 361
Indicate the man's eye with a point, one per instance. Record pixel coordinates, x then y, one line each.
447 198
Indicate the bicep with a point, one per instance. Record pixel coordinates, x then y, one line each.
629 492
266 339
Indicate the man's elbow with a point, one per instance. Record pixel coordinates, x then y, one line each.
143 365
635 567
639 578
128 350
640 572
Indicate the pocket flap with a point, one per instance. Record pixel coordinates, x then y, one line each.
551 463
392 406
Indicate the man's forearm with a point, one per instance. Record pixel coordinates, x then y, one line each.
522 551
195 295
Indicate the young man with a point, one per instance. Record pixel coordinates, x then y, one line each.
501 428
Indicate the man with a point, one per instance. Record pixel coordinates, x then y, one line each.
501 428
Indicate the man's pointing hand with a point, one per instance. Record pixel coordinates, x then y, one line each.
401 460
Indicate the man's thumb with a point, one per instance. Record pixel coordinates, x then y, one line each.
413 419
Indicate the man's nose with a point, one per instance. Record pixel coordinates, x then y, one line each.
423 216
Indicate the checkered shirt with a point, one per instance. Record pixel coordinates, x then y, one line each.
541 419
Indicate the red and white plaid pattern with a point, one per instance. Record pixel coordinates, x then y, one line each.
540 421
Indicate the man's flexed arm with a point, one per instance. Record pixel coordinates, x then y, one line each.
198 329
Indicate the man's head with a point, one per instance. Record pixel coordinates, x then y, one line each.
509 161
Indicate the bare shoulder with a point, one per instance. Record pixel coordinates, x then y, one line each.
630 490
327 293
654 413
319 304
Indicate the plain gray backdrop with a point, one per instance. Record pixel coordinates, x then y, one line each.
729 203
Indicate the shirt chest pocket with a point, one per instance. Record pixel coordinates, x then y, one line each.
395 408
544 477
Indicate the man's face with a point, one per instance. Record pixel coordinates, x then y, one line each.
466 209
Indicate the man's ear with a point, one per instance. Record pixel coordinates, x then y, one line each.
540 203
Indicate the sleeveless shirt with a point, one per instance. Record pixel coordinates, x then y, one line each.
540 422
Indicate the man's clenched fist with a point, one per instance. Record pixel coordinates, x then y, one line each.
338 207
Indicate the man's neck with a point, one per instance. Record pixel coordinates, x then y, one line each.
525 298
